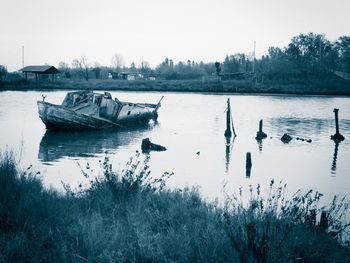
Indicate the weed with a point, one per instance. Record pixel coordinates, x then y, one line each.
132 217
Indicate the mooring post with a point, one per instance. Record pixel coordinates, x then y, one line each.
228 132
248 164
260 125
260 134
337 136
336 121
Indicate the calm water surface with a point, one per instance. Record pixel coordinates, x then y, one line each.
188 124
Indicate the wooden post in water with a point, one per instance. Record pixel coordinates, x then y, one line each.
228 132
337 136
260 125
248 164
260 134
336 120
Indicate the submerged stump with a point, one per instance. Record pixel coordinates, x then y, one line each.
147 146
286 138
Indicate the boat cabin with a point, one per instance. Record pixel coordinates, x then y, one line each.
93 104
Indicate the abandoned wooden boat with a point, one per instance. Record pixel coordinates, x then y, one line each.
82 110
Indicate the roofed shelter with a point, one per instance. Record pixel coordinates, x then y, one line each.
40 72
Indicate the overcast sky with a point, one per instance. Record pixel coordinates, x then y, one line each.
54 31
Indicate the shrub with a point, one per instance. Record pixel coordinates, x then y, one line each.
276 229
132 217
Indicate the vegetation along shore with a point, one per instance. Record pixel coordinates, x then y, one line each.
131 217
309 64
316 86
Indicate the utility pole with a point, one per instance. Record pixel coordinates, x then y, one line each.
320 47
254 58
22 56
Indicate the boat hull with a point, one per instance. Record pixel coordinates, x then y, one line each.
56 117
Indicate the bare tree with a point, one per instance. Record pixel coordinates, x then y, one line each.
82 66
218 68
117 62
3 72
145 64
96 70
146 68
64 67
132 67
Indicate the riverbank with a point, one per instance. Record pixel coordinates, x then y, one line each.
327 86
131 217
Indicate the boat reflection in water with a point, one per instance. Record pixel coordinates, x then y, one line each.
56 145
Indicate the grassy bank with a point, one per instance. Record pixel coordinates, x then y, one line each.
312 86
132 218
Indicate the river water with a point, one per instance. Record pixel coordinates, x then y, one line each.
191 127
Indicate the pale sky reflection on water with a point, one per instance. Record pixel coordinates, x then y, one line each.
188 124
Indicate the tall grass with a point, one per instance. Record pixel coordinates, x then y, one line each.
130 217
275 229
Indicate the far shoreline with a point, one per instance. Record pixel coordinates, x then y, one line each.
228 87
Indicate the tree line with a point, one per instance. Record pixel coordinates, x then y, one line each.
307 55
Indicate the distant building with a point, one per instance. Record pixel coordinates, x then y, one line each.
125 75
40 72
